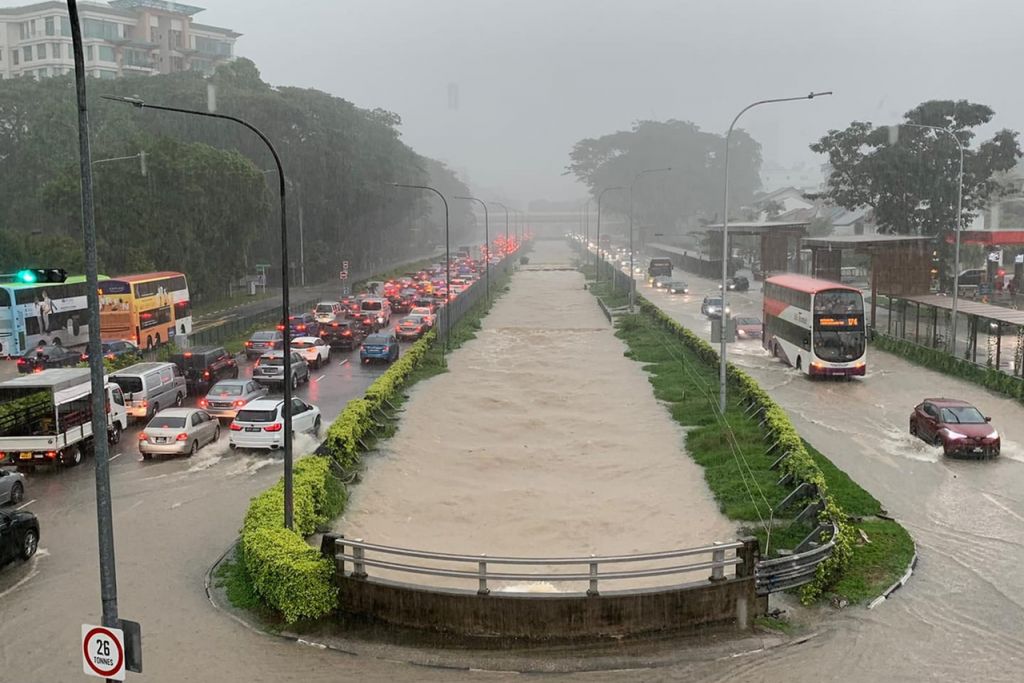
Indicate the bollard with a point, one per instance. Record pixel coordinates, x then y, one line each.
482 571
592 591
718 571
358 568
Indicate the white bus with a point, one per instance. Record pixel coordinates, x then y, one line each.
48 312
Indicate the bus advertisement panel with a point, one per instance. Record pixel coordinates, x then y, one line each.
44 312
150 308
815 325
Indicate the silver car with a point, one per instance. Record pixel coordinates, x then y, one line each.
228 396
12 487
178 431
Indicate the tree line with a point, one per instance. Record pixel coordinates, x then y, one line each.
208 202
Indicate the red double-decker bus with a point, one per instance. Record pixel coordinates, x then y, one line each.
817 326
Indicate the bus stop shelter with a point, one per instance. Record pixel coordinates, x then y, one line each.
775 239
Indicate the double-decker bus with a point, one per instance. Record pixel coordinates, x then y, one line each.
43 312
815 325
149 308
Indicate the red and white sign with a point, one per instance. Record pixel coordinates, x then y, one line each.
103 652
344 275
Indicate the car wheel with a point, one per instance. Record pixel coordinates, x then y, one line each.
29 544
316 363
295 381
18 491
156 409
56 341
179 400
115 434
234 375
147 456
193 449
216 434
316 427
913 428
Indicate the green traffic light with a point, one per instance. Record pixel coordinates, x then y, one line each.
26 276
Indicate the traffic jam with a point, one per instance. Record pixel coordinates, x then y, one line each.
203 397
816 327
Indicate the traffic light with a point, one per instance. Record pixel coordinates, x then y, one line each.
33 275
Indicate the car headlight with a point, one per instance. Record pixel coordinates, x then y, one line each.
993 435
955 435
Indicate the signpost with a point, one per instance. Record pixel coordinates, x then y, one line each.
103 652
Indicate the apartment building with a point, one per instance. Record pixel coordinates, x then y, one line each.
120 38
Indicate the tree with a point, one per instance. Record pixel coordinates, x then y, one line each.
909 175
694 187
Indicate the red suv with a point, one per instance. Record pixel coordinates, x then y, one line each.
957 426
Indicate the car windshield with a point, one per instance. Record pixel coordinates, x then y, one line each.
376 339
968 415
226 390
371 305
129 385
264 336
301 344
159 422
256 416
747 321
714 302
276 361
325 308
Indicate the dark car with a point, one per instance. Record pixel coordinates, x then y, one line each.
116 349
737 284
712 307
269 370
379 347
302 325
19 535
262 341
659 266
367 322
410 328
341 333
204 366
677 287
48 356
957 426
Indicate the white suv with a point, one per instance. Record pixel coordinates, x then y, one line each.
327 311
260 424
379 307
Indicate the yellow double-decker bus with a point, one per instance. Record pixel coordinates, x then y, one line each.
149 308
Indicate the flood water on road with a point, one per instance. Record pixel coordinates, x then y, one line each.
541 441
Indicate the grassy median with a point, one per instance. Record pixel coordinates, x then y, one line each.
738 469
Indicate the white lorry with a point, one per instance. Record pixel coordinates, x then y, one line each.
46 418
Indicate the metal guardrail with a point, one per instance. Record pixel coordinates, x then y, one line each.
470 297
795 569
481 572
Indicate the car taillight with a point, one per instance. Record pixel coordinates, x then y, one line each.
206 374
280 327
145 403
276 427
239 403
51 454
346 333
181 437
22 361
235 427
248 344
82 357
202 403
142 436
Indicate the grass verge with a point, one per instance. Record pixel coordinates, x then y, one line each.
738 470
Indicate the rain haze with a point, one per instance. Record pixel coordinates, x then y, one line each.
535 76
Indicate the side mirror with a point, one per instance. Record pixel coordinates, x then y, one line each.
988 419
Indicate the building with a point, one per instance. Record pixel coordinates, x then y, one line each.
120 38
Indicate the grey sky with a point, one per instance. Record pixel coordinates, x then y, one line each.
534 76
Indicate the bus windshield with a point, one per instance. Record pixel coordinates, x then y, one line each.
838 346
839 301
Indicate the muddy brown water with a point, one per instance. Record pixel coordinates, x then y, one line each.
541 441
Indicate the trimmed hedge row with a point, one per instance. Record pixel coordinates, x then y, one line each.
780 429
937 359
291 576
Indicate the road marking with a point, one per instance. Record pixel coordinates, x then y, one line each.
32 573
115 457
159 476
344 361
25 505
319 378
1002 507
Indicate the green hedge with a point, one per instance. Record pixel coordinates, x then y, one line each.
778 429
937 359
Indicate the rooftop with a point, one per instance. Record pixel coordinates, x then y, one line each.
863 241
162 5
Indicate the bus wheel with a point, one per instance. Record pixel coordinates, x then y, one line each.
75 326
798 363
56 341
72 457
158 339
149 343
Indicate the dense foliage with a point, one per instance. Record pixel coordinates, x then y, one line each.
691 191
209 203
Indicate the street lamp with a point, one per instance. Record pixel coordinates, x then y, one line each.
632 276
725 236
597 256
281 182
506 223
959 220
447 264
487 244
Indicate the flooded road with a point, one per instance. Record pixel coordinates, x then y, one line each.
541 441
958 618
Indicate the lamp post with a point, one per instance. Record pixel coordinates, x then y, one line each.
597 257
632 276
959 221
506 222
725 236
447 264
487 244
285 304
302 233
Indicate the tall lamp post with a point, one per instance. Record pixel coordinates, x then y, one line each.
285 304
959 221
597 257
447 263
487 244
506 222
632 275
725 237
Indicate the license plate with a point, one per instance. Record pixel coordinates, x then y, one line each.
978 450
252 429
160 439
25 456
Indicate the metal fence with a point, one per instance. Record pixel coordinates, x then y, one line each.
479 570
454 311
238 326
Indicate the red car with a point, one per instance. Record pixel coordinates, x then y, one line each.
957 426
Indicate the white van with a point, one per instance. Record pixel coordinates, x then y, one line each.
379 307
148 387
327 311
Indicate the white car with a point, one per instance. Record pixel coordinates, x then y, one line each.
424 313
314 350
327 311
260 425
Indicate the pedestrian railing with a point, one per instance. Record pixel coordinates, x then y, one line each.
479 571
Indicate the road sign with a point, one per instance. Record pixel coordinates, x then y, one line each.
344 265
344 275
103 652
